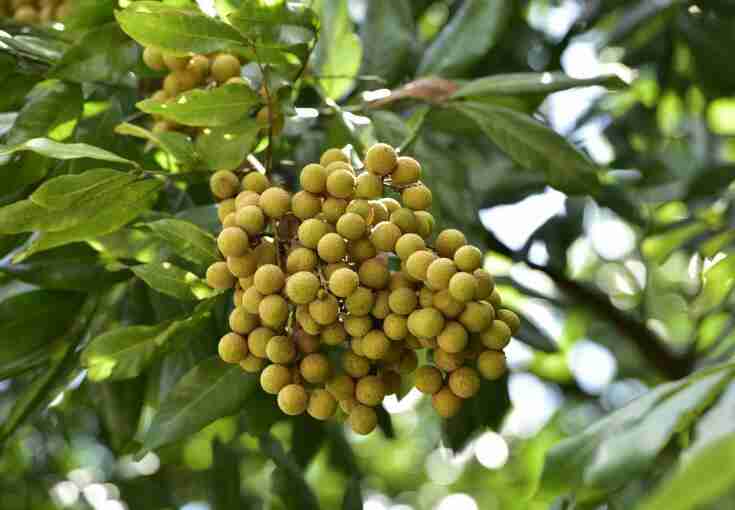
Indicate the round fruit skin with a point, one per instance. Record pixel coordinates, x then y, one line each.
497 336
219 276
302 287
274 378
370 390
464 382
381 159
293 399
511 319
315 368
446 403
428 379
322 405
232 348
491 364
362 419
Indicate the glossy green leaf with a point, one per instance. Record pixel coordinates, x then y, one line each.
531 83
209 391
187 240
176 144
719 280
173 281
338 52
69 191
276 25
467 38
226 147
288 478
119 406
56 150
388 38
658 247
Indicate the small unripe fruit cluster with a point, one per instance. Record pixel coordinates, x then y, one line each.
313 285
30 12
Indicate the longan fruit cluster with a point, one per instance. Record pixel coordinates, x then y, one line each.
35 11
320 314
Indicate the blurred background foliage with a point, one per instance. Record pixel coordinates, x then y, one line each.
619 261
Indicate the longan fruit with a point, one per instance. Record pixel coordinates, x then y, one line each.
269 279
348 404
403 301
251 299
374 273
445 403
405 219
417 197
233 242
468 258
339 165
293 399
497 336
341 387
258 340
391 204
358 326
418 263
381 159
408 362
447 305
407 244
329 269
173 84
439 273
368 185
219 276
230 221
246 198
463 287
26 14
252 364
491 364
424 223
324 310
428 379
200 65
449 241
225 208
407 171
174 62
332 155
281 349
306 321
333 208
333 334
153 58
241 321
251 219
232 348
360 302
453 338
375 344
275 202
302 287
381 309
362 419
305 342
331 247
341 184
395 326
385 235
354 365
315 368
400 279
343 282
301 259
274 378
273 311
510 318
485 285
426 298
426 322
378 211
244 266
313 178
255 182
311 231
361 250
495 299
306 205
322 405
477 316
351 226
361 207
224 184
224 67
370 390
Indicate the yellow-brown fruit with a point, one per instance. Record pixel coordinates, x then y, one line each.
356 346
322 405
174 62
477 316
306 321
293 399
333 208
233 242
351 226
418 263
224 184
400 279
511 319
244 266
495 299
26 14
258 340
339 165
370 390
306 205
361 207
403 301
348 404
491 364
302 287
448 361
313 178
301 259
380 309
329 269
273 311
237 296
360 301
391 204
379 212
408 244
331 247
311 231
305 343
405 219
281 349
241 321
485 285
251 299
374 273
468 258
274 378
417 197
354 365
391 381
153 58
407 171
453 338
275 202
264 118
369 185
439 273
160 96
341 387
428 379
334 334
358 327
200 65
426 323
269 279
449 241
362 419
252 364
324 310
246 282
445 403
426 298
332 155
375 344
232 348
341 184
315 368
385 235
230 221
246 198
361 250
381 159
463 287
251 219
395 327
224 67
219 276
255 182
173 84
343 282
497 336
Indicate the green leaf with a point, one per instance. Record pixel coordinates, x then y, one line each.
531 83
118 405
103 54
220 106
288 478
56 150
177 30
718 422
339 51
535 146
67 191
187 240
176 144
209 391
473 31
276 25
352 499
658 247
226 147
173 281
719 281
388 39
